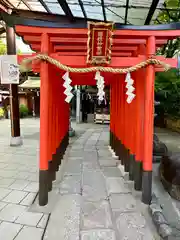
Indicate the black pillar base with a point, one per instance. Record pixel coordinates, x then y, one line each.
137 175
122 154
55 160
112 141
50 175
62 149
147 187
43 187
115 145
47 176
60 152
59 156
53 167
110 138
119 149
126 160
131 167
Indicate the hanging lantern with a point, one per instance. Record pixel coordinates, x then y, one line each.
68 88
130 89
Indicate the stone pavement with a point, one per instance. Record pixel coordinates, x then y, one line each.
19 184
94 202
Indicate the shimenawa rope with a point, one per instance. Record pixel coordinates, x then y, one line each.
43 57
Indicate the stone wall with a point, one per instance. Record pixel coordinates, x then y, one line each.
173 124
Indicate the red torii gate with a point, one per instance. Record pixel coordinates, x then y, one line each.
131 125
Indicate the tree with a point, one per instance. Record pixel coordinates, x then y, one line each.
171 13
167 87
167 84
3 48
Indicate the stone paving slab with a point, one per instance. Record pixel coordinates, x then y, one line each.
93 187
89 148
19 183
29 233
90 156
116 185
28 200
72 158
8 231
4 192
15 196
67 215
111 172
107 162
29 218
94 192
122 202
93 165
132 226
101 234
75 153
73 168
104 153
96 215
42 223
70 185
11 212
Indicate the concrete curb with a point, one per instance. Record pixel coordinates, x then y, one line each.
161 224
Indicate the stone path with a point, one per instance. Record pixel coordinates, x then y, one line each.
94 200
19 183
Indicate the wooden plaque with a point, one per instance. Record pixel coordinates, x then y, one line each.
99 43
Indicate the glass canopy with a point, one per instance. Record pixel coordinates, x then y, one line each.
135 12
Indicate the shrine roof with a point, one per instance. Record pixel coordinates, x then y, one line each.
31 83
76 13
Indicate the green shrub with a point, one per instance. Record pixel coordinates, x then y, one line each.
167 86
1 112
23 111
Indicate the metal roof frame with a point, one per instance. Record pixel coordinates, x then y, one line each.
65 7
45 6
103 10
109 6
151 11
126 13
83 9
29 18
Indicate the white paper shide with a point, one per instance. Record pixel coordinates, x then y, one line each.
100 86
67 86
9 69
130 89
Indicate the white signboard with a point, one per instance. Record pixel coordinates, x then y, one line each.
9 70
